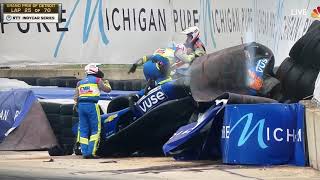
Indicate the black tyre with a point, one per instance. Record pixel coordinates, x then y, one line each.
67 143
289 84
284 68
66 121
55 123
121 85
72 83
314 25
53 118
56 128
271 87
67 133
297 50
56 131
68 149
67 140
128 86
66 109
50 108
311 51
53 82
61 82
75 113
118 103
56 151
75 120
43 82
66 77
29 80
118 85
275 69
306 83
137 85
111 82
143 84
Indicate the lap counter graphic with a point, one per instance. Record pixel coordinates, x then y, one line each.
30 12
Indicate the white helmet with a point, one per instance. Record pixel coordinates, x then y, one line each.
92 68
193 31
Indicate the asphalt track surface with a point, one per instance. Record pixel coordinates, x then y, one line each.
39 165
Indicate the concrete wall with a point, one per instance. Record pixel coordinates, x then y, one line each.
110 73
223 23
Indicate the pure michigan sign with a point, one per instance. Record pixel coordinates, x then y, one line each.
263 134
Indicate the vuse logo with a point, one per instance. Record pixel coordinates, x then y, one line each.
153 99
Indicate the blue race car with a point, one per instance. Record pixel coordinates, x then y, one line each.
145 125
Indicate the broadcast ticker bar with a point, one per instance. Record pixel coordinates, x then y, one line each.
30 12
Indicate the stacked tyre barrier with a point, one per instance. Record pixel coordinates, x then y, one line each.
62 81
70 81
61 119
128 85
297 80
299 72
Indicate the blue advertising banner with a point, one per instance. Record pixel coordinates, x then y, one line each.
14 106
263 134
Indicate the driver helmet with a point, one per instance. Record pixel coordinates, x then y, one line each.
192 32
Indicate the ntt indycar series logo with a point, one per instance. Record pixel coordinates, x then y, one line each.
155 97
260 133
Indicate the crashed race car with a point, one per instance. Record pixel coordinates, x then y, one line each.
144 124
